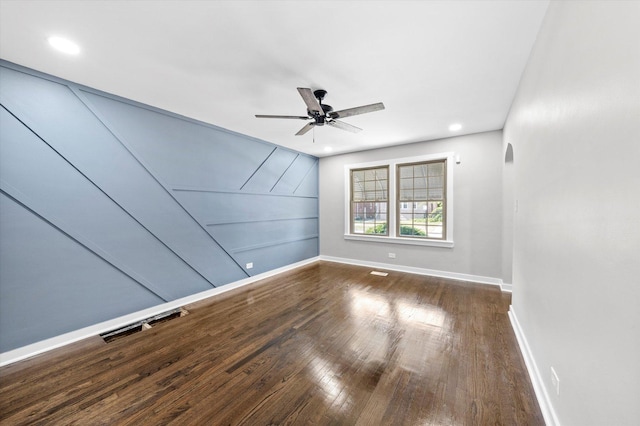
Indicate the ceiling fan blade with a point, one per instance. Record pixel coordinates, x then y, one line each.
306 128
357 110
344 126
297 117
312 103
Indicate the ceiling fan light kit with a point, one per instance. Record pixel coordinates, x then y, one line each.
320 114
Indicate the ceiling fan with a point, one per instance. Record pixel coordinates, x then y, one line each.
320 114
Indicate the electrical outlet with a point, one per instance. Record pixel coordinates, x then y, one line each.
555 381
249 265
392 255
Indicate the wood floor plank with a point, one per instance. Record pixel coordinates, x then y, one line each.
323 344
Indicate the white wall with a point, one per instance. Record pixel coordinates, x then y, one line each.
477 208
575 128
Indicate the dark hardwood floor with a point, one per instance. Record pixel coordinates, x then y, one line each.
324 344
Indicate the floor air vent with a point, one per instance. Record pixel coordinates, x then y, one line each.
143 325
380 274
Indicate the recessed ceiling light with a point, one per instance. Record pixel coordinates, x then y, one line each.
64 45
328 149
455 127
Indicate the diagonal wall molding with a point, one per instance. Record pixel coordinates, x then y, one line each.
155 177
40 211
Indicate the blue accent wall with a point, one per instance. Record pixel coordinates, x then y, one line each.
108 206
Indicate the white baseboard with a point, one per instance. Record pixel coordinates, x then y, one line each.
507 288
103 327
419 271
549 414
94 330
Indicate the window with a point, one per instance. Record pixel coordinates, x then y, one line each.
369 201
423 186
417 210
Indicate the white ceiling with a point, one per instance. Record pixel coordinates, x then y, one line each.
432 63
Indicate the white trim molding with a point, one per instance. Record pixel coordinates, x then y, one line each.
418 271
549 414
505 287
42 346
400 240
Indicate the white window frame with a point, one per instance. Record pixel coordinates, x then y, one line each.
391 215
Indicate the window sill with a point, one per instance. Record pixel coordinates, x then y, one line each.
396 240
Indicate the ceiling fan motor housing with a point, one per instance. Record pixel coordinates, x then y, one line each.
320 119
320 94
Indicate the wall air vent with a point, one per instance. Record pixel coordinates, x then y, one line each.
143 325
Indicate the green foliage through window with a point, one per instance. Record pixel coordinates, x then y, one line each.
404 230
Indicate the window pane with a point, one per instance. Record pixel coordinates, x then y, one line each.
436 193
435 212
369 201
420 194
419 229
435 218
370 195
420 170
415 230
436 181
436 169
357 212
406 195
406 183
418 216
377 229
370 174
382 188
434 231
420 208
419 182
358 175
406 172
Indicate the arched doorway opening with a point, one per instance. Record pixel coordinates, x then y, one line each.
508 213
